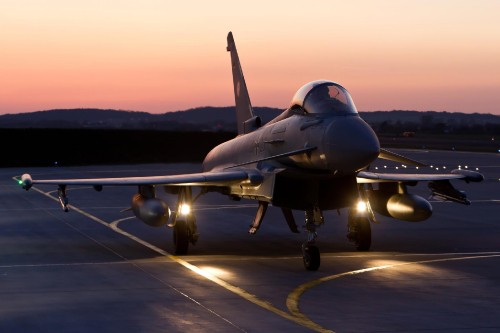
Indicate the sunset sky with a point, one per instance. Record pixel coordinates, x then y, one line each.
161 55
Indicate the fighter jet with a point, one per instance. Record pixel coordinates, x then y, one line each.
313 157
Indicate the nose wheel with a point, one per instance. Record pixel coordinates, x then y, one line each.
311 257
310 252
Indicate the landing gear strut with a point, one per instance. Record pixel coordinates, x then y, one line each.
359 218
184 223
359 231
310 252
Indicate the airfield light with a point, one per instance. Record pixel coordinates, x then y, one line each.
361 206
397 168
466 167
477 169
184 209
444 167
417 168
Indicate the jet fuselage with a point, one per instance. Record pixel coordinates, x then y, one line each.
324 177
344 144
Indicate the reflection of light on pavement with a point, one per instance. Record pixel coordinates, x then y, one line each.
401 274
392 267
216 271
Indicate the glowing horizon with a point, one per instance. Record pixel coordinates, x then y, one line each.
159 56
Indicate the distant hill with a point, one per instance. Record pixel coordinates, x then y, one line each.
203 118
429 116
224 119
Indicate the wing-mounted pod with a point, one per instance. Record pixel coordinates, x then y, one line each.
393 200
444 190
149 209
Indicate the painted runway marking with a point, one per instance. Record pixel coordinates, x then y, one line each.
148 245
292 301
234 289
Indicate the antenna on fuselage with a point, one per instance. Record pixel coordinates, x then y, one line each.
244 111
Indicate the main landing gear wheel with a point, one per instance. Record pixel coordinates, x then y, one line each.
311 257
181 237
360 232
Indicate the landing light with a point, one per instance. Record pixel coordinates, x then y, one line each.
361 206
184 209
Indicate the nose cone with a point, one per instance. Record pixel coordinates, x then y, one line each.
351 144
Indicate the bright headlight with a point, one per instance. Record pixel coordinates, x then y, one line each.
184 209
361 206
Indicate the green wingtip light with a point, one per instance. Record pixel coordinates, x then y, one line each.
20 182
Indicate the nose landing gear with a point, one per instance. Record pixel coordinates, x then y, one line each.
310 252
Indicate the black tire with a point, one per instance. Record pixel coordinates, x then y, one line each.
181 237
363 238
311 257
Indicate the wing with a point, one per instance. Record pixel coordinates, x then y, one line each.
372 177
214 178
439 184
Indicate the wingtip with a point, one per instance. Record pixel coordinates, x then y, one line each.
26 181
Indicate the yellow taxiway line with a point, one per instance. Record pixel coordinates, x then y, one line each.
234 289
292 302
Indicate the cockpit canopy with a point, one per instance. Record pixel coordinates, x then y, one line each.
324 97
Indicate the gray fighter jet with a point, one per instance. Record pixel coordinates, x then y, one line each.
313 157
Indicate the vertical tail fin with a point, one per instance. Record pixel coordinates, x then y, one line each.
244 110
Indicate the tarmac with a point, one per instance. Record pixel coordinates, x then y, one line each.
98 268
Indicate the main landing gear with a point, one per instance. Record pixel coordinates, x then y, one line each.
359 230
184 223
359 218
